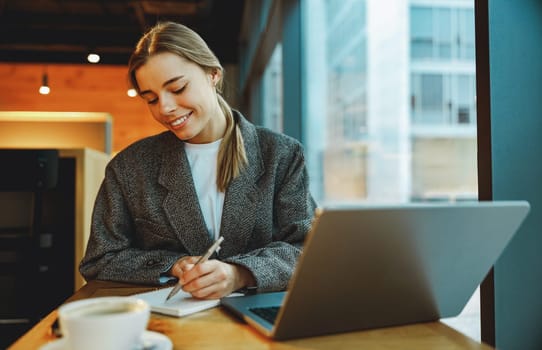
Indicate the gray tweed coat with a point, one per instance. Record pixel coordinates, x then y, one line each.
146 214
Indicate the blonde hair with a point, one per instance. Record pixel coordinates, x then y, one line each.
183 41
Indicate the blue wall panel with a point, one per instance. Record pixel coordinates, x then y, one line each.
515 50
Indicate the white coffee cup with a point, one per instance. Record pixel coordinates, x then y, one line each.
105 323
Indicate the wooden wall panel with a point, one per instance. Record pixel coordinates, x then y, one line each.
78 88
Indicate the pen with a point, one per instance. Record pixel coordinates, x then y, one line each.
203 258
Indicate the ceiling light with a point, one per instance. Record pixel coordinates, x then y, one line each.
44 88
131 92
93 58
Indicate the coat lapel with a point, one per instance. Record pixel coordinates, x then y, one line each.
242 196
181 202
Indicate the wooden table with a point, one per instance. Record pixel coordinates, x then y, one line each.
216 329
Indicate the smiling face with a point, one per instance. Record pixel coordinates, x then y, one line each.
182 97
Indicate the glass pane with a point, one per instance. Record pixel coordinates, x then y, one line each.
421 29
272 91
466 34
390 100
465 99
372 111
431 98
443 30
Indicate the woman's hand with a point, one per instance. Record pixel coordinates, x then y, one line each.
211 279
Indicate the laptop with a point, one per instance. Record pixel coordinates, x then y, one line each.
377 266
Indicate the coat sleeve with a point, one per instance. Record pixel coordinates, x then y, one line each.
111 252
293 209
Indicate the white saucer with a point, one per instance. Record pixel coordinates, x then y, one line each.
158 340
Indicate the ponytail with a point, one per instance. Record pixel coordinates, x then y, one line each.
232 157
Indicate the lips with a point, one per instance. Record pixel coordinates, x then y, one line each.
179 121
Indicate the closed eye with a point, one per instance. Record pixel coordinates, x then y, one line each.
179 91
152 101
149 97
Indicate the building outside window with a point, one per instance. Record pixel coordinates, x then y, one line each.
391 101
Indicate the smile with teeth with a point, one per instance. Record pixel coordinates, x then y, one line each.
181 120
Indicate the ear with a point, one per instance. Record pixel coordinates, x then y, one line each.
215 75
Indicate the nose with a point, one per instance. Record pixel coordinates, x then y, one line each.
167 105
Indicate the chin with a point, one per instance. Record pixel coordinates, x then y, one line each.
182 136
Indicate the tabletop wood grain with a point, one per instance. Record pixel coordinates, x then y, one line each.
217 329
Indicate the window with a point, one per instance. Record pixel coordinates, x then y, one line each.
442 32
384 96
392 114
421 31
443 99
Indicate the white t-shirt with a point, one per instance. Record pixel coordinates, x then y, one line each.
203 163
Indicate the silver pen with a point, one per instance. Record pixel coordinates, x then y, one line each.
202 259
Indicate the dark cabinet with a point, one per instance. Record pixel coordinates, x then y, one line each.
40 233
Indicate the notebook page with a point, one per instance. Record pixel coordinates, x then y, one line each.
181 304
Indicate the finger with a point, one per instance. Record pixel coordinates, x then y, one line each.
188 261
176 270
210 275
193 274
183 264
187 267
213 291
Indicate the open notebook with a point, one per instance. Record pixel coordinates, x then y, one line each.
179 305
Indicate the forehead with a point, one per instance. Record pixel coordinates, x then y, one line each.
162 67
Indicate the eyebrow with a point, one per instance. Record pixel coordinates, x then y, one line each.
166 83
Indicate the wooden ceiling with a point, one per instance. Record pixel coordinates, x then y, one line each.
64 31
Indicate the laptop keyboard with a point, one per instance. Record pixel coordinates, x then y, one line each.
267 313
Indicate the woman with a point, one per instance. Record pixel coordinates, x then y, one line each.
166 198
